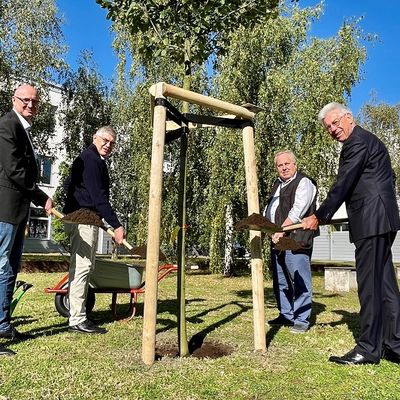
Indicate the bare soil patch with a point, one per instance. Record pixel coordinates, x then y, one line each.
207 349
44 266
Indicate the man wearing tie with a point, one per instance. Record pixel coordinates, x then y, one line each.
18 187
365 182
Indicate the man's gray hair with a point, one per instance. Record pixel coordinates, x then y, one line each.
106 129
331 107
288 152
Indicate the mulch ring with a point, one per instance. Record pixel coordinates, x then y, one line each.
208 349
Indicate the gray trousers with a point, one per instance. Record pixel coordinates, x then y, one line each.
83 240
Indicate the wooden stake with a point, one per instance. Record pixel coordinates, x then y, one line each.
153 232
255 241
162 89
201 100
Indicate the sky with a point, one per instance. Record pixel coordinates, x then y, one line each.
86 28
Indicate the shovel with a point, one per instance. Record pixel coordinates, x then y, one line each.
256 222
87 217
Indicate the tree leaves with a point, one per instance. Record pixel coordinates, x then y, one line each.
167 25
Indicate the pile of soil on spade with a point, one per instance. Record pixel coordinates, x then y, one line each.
205 350
287 243
256 222
83 216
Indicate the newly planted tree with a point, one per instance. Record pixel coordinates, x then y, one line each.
187 33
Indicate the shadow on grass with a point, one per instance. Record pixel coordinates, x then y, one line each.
197 340
37 332
350 319
199 317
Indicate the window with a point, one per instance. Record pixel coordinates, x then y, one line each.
44 167
39 224
340 227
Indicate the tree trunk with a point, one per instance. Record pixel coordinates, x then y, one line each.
181 295
228 258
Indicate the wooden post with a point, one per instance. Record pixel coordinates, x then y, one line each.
201 100
162 89
153 232
255 241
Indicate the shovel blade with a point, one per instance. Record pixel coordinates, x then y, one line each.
256 222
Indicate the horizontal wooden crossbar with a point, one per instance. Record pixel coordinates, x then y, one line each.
201 100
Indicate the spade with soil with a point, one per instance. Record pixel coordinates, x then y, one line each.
85 216
257 222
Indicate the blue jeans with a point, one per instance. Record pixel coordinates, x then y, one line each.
292 285
11 246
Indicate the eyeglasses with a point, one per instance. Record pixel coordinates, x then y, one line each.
335 123
106 141
26 101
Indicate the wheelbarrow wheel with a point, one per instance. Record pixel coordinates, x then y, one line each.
62 302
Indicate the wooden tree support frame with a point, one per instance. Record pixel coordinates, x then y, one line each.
163 90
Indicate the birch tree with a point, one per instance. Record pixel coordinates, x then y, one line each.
278 67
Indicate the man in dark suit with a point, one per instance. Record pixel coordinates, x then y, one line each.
18 175
365 182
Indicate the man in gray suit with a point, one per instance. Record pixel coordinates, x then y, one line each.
18 175
365 182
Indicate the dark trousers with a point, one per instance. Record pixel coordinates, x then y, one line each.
379 296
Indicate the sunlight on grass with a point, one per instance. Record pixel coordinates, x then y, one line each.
61 365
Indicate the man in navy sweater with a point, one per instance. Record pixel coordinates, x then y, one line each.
88 188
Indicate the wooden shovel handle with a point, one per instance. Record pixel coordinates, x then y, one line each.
108 230
292 227
57 213
124 242
300 226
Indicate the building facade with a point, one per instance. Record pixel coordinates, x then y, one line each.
39 228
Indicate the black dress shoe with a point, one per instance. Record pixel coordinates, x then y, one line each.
12 334
352 358
87 327
6 352
390 355
280 320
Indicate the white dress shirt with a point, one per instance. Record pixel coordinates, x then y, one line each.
27 126
304 197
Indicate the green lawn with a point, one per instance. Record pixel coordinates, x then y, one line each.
61 365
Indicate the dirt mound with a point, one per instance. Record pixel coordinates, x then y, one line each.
205 350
